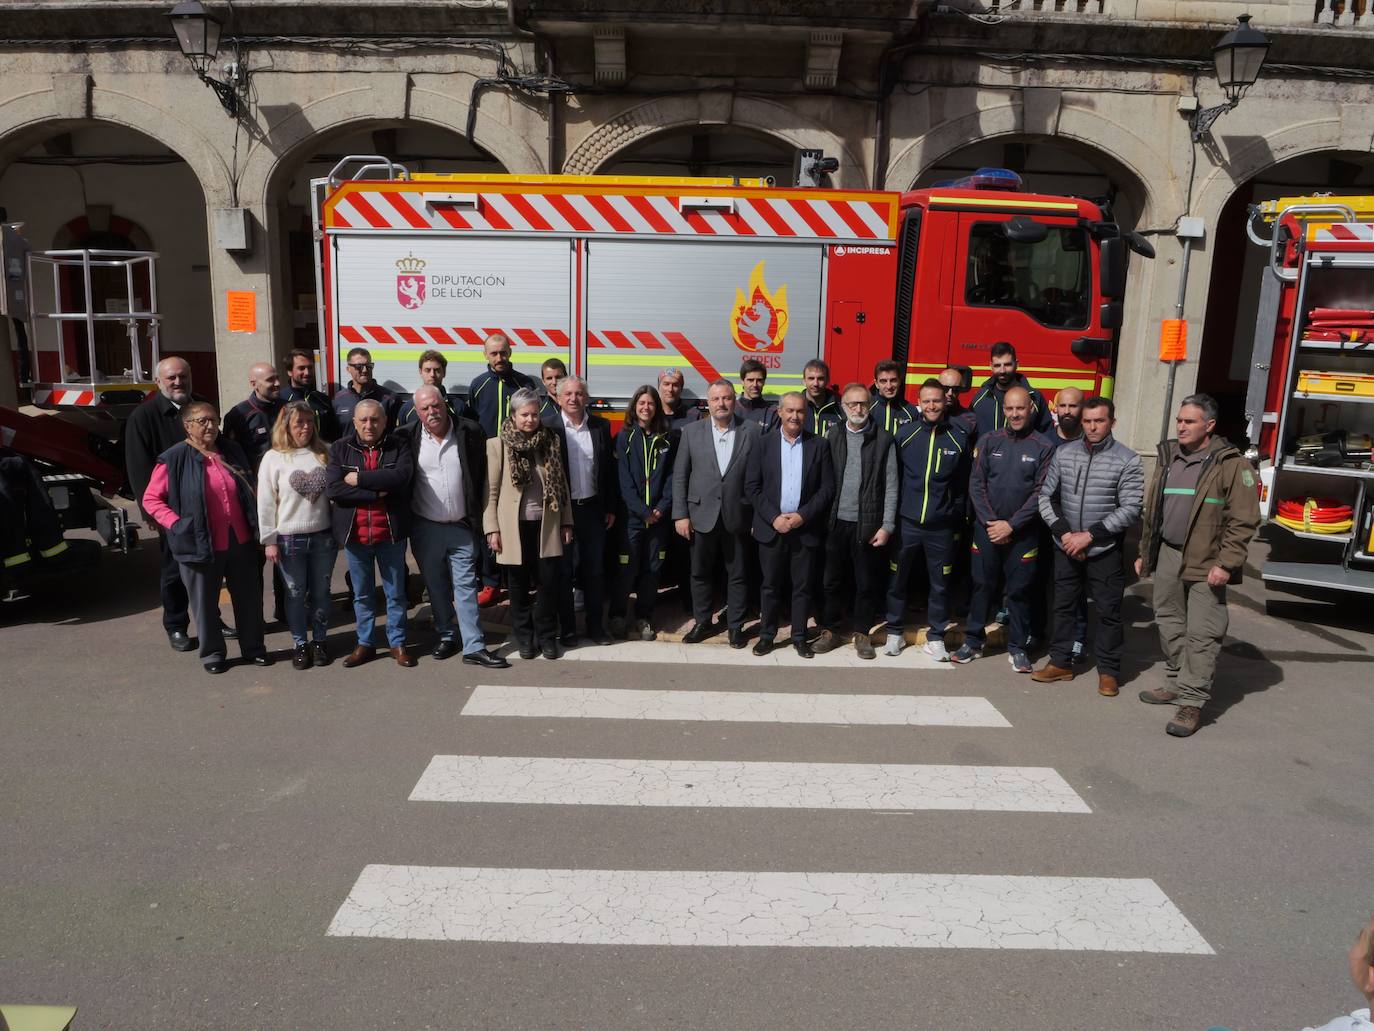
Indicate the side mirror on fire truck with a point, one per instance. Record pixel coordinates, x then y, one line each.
1021 229
1112 255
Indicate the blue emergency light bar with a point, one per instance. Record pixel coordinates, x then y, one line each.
987 179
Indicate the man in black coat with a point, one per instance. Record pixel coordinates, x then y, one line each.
790 481
593 485
300 386
151 429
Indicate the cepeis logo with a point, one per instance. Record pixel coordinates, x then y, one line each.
410 282
758 321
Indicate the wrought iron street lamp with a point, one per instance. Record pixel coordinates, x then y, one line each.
198 34
1238 55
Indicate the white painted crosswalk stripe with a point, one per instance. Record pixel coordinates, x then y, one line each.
912 658
713 908
732 706
761 785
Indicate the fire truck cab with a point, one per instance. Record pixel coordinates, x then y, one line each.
622 277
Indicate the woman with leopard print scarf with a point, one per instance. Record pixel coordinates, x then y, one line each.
528 521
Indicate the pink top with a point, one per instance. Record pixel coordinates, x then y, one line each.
222 508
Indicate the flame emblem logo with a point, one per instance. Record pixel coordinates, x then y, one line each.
758 321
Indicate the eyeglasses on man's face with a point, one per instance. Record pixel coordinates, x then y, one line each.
203 420
361 366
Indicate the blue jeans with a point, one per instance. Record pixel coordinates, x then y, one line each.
390 558
446 555
307 561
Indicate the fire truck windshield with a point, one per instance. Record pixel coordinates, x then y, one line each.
1050 280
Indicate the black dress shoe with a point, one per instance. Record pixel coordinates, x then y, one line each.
550 649
569 641
228 632
488 659
698 633
803 649
601 639
737 639
528 651
262 660
218 666
763 646
179 641
319 654
300 658
445 650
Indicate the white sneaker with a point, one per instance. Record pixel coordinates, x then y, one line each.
895 644
936 650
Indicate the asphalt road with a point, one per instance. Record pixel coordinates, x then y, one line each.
176 846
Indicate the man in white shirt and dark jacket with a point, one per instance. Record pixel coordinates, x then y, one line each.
594 488
446 494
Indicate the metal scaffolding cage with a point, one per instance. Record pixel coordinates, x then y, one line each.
139 325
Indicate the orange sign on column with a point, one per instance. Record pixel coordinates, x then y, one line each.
242 308
1173 340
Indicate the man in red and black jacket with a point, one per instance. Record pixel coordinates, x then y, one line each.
368 481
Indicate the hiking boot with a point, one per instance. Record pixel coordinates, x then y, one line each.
935 648
301 658
863 645
1107 685
1019 660
1157 696
966 653
1185 721
1049 673
827 642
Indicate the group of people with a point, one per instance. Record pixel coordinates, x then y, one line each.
826 503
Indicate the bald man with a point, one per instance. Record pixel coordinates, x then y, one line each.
1009 465
151 429
249 423
1068 416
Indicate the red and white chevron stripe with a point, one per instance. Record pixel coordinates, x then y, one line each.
84 398
799 218
1343 236
450 336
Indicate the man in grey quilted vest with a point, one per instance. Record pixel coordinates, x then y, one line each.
1091 496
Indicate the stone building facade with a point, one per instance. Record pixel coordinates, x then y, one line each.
106 134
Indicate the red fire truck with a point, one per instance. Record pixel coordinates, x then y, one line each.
1310 403
622 277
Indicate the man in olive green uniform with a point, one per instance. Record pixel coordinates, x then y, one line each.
1201 511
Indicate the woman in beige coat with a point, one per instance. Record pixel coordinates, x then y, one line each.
528 521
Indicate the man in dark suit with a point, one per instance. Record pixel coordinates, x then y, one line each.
593 484
151 429
790 481
709 508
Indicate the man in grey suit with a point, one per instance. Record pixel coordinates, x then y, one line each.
709 508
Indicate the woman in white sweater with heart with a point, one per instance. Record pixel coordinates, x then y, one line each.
294 527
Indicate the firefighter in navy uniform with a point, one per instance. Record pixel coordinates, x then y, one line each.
433 368
890 410
490 393
249 423
822 406
933 457
550 373
645 449
987 406
1008 468
361 386
300 386
753 405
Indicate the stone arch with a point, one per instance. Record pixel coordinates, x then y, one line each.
31 117
1129 153
296 128
1258 153
641 121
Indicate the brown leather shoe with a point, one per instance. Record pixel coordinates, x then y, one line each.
359 655
402 657
1157 696
1185 721
827 642
1049 673
1107 686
